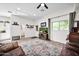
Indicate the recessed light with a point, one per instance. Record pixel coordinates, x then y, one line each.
34 14
18 8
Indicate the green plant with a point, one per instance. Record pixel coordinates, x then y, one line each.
45 30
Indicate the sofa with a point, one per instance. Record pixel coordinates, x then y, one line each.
11 49
72 47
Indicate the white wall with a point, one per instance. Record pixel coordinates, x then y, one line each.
77 14
6 35
23 21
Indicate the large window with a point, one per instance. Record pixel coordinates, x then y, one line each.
56 26
61 25
64 25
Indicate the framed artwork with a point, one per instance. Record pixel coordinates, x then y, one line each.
15 23
30 26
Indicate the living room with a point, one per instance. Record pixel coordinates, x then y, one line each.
36 29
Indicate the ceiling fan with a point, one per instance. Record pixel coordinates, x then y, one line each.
43 5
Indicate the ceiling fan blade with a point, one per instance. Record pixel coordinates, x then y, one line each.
45 6
38 5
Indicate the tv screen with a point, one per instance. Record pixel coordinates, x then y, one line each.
43 24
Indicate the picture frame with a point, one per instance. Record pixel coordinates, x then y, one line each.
15 23
30 26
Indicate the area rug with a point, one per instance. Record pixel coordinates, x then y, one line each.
38 47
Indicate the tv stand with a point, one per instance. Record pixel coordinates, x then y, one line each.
43 36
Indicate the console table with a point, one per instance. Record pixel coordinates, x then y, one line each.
43 36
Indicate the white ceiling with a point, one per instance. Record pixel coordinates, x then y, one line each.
29 9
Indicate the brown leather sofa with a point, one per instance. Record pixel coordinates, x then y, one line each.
72 47
74 37
11 49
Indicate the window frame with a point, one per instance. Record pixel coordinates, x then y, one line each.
59 25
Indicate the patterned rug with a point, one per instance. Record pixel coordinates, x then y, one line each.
38 47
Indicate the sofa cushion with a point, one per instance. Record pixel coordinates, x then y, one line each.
74 37
9 46
15 44
69 50
73 44
16 52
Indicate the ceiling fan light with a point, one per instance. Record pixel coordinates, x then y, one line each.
42 4
34 14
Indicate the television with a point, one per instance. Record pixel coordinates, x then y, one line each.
43 24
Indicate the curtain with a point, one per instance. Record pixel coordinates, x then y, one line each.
49 20
71 21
